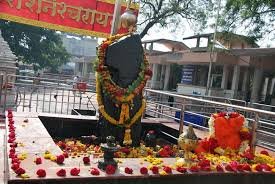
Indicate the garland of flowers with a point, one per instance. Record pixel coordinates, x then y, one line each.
122 97
126 124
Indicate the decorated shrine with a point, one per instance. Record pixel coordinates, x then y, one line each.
120 146
207 160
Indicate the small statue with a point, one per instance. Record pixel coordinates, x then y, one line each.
109 148
151 139
188 142
111 141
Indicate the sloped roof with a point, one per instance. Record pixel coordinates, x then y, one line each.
168 43
226 35
254 52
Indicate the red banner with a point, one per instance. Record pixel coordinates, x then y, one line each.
86 17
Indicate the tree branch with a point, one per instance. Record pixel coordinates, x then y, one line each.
151 5
147 27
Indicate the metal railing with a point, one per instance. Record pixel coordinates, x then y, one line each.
59 96
262 128
33 94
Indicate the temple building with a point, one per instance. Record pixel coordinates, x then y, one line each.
83 52
241 70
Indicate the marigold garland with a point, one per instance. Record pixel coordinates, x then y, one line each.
122 97
111 119
118 94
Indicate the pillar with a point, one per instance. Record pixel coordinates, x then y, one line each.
76 68
155 75
204 74
166 77
162 72
264 91
236 78
83 68
151 48
272 86
198 42
256 86
162 76
145 46
245 79
225 77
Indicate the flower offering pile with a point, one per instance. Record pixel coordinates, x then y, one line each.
227 133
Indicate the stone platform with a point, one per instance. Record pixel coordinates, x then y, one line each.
34 139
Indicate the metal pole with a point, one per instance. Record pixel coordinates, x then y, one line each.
254 133
144 112
181 119
116 17
212 51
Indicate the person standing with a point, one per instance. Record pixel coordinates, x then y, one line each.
75 82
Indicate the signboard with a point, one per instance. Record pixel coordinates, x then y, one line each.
187 74
86 17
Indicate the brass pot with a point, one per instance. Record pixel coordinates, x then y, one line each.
128 19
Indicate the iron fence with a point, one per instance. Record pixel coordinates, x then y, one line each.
33 94
261 122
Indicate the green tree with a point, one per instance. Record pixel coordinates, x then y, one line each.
256 16
171 12
33 45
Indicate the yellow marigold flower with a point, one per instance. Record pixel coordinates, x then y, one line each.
254 167
47 156
20 144
47 152
264 159
24 176
273 170
173 167
193 156
219 150
53 158
150 166
163 173
22 156
119 161
224 159
244 129
180 162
